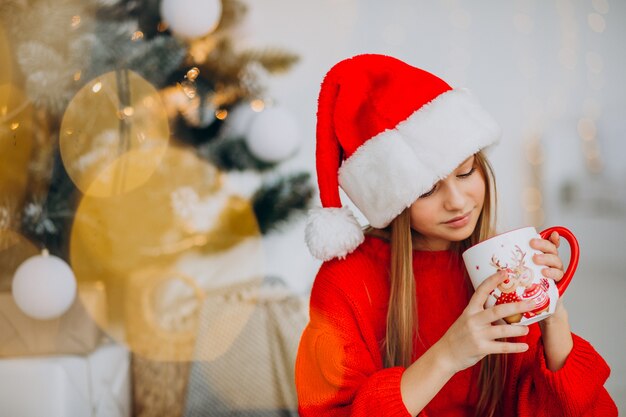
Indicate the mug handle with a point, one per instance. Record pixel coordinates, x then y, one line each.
574 254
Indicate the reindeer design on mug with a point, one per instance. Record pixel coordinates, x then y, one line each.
519 285
506 292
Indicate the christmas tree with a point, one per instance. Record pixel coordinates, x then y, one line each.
136 143
59 48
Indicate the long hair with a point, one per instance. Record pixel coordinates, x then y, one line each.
402 311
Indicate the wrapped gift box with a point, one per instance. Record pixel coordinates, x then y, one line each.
75 332
95 385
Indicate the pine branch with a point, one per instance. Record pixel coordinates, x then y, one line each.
49 82
196 136
275 61
232 154
49 221
277 202
233 12
157 58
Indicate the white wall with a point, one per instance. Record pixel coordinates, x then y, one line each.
538 66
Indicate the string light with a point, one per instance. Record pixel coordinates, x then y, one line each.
137 35
77 75
75 21
96 87
596 22
257 105
587 129
193 73
221 114
189 88
532 198
15 125
128 111
594 62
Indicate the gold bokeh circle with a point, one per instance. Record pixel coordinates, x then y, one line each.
130 242
115 131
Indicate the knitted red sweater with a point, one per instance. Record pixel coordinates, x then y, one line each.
339 368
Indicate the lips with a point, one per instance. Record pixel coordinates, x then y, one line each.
456 219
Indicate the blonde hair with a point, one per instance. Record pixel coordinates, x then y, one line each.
402 312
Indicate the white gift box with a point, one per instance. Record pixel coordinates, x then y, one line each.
95 385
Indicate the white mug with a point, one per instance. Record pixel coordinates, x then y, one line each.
511 252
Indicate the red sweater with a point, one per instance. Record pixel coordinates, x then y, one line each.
339 367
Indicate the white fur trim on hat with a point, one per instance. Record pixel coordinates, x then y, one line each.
391 170
332 232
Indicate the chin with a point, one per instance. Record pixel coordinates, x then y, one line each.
462 233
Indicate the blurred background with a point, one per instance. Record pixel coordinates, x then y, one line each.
157 160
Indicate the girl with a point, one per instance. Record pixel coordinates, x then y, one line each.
395 327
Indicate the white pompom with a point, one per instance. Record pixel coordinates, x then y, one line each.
44 287
332 232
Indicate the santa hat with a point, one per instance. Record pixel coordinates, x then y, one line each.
386 133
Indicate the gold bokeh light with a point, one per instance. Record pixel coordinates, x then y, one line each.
137 243
114 131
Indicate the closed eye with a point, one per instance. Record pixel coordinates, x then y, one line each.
467 174
432 190
426 194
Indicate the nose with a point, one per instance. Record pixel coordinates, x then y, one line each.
454 197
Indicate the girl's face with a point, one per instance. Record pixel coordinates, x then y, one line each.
449 211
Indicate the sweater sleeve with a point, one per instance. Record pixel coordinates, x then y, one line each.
577 389
337 373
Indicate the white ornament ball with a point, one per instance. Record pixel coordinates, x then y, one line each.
273 135
239 120
191 18
44 287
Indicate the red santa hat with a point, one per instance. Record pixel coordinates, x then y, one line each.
386 133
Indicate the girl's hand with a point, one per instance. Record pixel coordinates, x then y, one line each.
473 336
554 270
550 257
555 330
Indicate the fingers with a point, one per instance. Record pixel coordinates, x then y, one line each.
549 260
555 239
550 256
507 347
545 246
555 274
501 331
495 313
481 294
